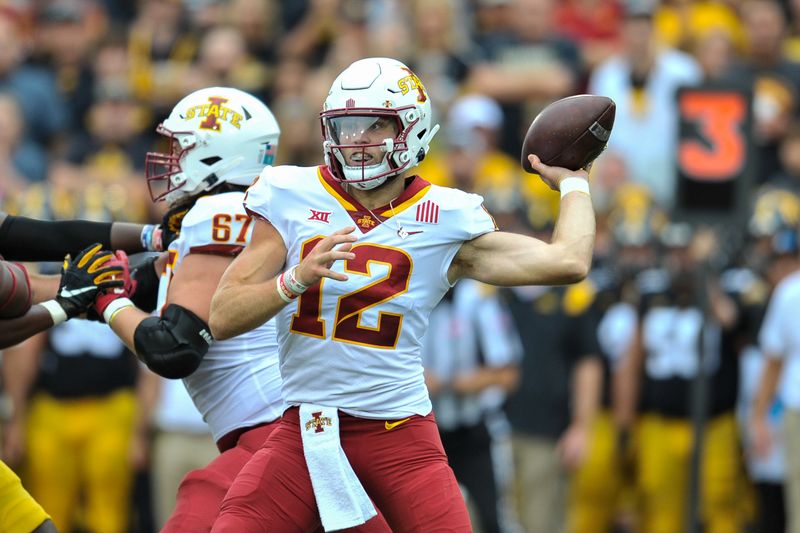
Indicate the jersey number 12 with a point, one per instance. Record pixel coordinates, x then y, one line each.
347 327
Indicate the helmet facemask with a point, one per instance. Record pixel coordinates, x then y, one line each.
383 87
359 134
163 170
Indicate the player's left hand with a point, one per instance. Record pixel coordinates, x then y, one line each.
553 176
317 264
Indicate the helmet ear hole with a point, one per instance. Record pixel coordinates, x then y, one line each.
421 134
211 160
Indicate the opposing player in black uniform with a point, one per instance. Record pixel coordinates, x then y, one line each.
675 341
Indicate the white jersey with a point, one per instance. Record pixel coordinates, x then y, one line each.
356 345
238 383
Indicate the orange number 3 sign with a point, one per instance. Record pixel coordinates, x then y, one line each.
721 152
349 308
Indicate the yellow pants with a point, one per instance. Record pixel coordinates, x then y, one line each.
19 512
78 453
663 468
596 487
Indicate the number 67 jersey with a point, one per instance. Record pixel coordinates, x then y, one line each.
355 345
238 384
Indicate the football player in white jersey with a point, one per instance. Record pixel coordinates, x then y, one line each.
221 138
351 257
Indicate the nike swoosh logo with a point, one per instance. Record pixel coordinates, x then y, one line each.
415 232
392 425
69 294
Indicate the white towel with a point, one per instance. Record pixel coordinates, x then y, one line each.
341 500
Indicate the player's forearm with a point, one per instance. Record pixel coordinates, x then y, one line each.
574 235
128 237
27 239
237 309
43 287
125 323
15 330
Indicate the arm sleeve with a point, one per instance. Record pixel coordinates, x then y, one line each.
27 239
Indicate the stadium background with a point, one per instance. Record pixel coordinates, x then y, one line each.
83 84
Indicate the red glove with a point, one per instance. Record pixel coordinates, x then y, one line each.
104 298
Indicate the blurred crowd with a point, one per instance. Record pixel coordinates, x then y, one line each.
624 403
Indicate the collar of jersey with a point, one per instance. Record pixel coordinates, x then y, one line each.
411 195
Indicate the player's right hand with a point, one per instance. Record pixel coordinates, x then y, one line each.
126 290
552 176
317 264
84 277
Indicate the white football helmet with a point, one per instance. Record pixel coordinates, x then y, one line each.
218 135
376 88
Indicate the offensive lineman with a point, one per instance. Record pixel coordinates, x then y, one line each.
221 139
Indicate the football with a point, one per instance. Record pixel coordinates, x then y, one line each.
570 132
15 290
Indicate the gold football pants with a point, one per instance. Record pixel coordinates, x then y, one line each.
81 447
597 485
663 473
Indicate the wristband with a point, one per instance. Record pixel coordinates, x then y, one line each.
283 291
293 284
157 242
115 307
57 312
147 237
572 184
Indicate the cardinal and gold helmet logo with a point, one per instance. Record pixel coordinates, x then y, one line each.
412 83
215 114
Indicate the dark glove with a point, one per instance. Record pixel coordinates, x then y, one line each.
84 277
171 224
143 272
